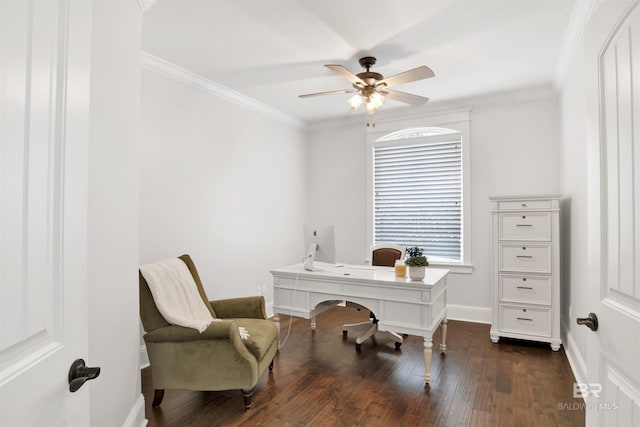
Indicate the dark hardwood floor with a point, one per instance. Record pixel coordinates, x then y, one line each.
320 380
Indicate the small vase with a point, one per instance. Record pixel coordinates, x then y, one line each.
416 272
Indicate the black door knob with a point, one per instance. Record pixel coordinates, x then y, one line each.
590 321
79 374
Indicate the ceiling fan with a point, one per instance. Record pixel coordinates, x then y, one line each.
371 88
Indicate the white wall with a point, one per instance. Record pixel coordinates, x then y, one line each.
574 219
337 187
222 183
515 150
116 397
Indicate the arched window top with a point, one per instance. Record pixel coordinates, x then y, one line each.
417 133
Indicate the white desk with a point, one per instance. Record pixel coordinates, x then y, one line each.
401 305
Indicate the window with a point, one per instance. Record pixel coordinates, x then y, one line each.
417 197
417 182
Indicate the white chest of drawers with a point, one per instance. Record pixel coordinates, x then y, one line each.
525 257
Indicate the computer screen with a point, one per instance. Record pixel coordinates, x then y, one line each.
322 238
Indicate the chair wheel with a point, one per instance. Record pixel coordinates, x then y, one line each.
344 334
398 344
358 347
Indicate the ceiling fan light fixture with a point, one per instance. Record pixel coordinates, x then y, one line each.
376 99
373 102
370 108
371 87
355 101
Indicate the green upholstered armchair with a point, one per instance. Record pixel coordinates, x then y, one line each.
217 359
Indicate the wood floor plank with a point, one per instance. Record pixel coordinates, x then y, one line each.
320 380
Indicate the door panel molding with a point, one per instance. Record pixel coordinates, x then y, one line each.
613 42
32 184
619 111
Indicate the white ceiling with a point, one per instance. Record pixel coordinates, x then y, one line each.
273 51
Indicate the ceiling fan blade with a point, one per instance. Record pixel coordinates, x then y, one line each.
331 92
422 72
407 98
346 74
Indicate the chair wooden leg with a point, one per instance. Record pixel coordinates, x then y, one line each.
247 398
157 398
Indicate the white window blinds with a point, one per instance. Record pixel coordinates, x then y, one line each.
418 195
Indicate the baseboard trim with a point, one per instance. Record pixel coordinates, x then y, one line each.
469 313
136 415
576 361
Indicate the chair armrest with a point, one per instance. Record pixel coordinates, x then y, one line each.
245 307
218 329
222 337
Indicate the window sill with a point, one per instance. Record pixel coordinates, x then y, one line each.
454 268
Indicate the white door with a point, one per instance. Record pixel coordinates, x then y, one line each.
613 60
44 64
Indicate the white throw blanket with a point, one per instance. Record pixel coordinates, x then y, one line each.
176 294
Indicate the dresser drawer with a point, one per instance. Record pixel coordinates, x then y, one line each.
525 320
527 289
523 204
534 258
534 226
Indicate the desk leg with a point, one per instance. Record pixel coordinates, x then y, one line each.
428 344
443 345
276 320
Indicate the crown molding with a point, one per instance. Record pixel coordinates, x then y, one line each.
189 78
582 11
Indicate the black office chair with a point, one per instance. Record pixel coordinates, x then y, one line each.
383 255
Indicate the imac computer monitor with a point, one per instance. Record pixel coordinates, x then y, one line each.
319 244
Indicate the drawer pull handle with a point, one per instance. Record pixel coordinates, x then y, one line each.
524 256
524 225
524 318
524 287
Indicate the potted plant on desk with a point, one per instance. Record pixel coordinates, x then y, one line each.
416 263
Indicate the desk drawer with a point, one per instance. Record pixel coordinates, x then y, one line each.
535 258
527 289
533 321
525 226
